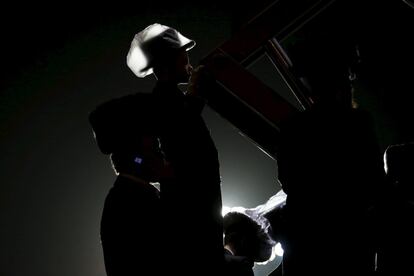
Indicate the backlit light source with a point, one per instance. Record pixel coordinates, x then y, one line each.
279 249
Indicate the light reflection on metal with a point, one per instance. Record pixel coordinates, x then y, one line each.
279 250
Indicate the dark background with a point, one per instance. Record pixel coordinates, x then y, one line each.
57 65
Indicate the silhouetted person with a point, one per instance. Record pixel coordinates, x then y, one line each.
396 229
330 168
130 224
175 117
246 241
251 235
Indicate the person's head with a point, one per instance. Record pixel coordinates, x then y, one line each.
327 70
175 68
161 50
245 237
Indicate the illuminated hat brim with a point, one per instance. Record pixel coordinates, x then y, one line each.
154 40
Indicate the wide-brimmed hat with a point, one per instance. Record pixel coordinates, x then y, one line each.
154 42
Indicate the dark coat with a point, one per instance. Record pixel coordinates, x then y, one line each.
192 199
330 167
130 229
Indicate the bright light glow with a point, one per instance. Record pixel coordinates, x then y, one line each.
271 204
238 209
279 249
225 210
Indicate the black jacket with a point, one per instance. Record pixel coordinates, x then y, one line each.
130 229
330 167
192 199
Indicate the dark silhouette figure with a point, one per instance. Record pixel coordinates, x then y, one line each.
175 118
130 224
160 137
246 241
251 235
330 168
395 223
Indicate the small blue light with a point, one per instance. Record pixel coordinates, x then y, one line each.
138 160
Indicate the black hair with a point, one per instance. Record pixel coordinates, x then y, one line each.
246 236
326 67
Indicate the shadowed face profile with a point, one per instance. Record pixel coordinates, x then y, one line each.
183 67
175 67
